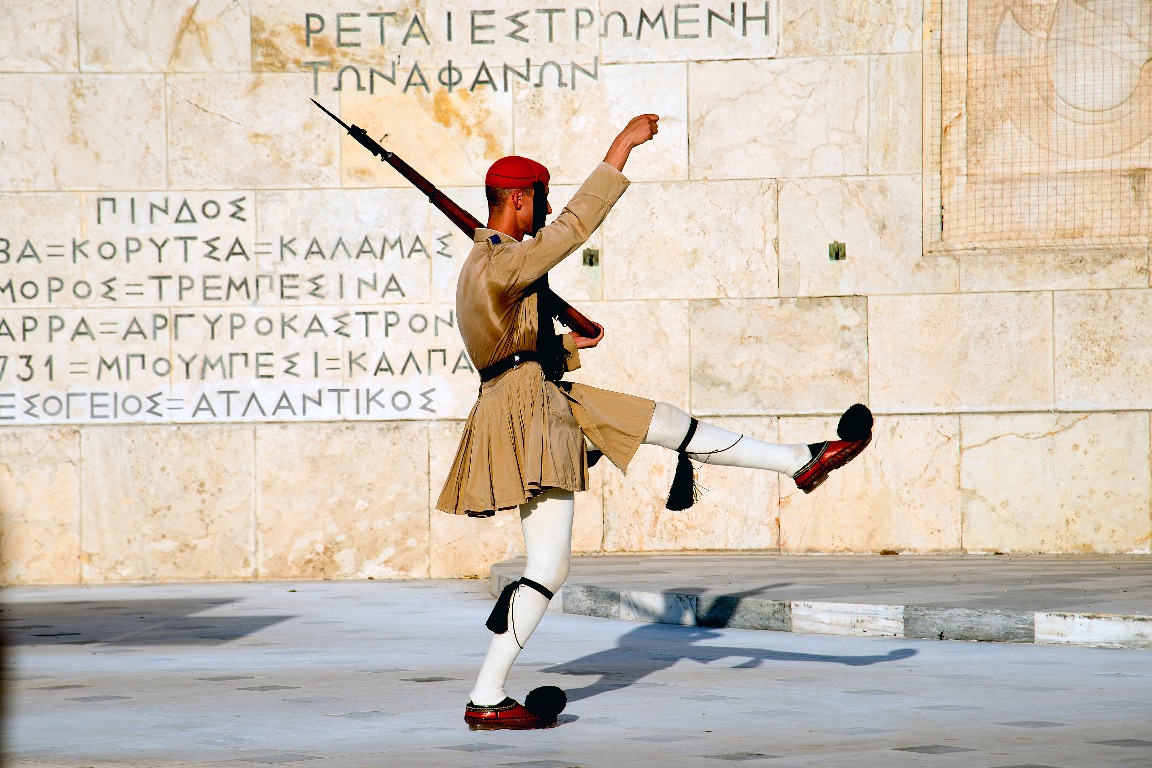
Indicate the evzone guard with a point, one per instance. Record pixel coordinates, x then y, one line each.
524 442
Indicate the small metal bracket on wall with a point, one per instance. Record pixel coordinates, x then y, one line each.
837 251
591 257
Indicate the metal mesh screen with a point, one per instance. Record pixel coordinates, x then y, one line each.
1039 124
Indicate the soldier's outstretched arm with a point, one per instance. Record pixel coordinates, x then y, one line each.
639 130
517 268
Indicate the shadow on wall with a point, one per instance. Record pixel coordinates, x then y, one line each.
127 622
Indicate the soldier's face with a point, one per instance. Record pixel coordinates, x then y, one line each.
525 213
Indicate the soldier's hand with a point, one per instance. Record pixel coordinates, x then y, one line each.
639 130
587 342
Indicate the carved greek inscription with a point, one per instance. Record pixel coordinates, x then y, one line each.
492 50
173 308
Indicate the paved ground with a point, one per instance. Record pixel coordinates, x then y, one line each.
376 674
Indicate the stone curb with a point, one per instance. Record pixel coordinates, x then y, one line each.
857 619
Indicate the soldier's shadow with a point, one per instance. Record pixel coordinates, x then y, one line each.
651 648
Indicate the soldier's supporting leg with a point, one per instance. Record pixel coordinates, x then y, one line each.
547 524
713 445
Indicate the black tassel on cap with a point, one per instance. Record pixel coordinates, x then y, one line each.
539 206
855 424
683 493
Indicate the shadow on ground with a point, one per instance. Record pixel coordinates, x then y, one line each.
651 648
127 622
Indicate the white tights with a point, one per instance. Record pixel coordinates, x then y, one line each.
714 445
547 524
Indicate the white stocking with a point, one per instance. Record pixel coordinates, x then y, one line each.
714 445
547 524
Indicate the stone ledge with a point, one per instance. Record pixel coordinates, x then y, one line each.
854 619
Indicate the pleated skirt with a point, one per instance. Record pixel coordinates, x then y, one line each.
526 434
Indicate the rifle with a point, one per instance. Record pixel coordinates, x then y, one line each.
468 224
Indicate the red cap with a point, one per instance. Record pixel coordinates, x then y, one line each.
515 172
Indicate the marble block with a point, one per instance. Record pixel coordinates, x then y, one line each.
36 230
1101 630
635 519
146 36
39 36
777 356
342 501
37 217
571 133
267 370
40 505
658 607
960 353
572 279
850 26
115 249
73 365
999 626
1103 349
449 138
585 600
499 31
286 34
588 520
848 619
665 241
634 332
451 241
743 613
498 581
83 132
737 508
350 234
1078 482
461 546
167 504
280 39
782 118
877 219
229 131
689 31
900 494
1061 271
895 120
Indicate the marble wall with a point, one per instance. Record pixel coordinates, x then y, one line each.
227 336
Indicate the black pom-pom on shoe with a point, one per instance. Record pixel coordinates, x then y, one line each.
855 424
547 701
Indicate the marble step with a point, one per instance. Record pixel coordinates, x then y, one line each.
602 590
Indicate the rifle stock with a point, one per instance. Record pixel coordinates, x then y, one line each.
468 224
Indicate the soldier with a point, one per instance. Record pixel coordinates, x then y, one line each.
524 441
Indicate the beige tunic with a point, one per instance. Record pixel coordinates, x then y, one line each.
525 434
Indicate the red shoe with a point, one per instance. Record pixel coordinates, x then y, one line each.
831 456
508 714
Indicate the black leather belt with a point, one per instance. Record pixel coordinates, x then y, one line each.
507 364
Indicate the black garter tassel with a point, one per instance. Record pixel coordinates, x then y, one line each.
684 492
498 619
